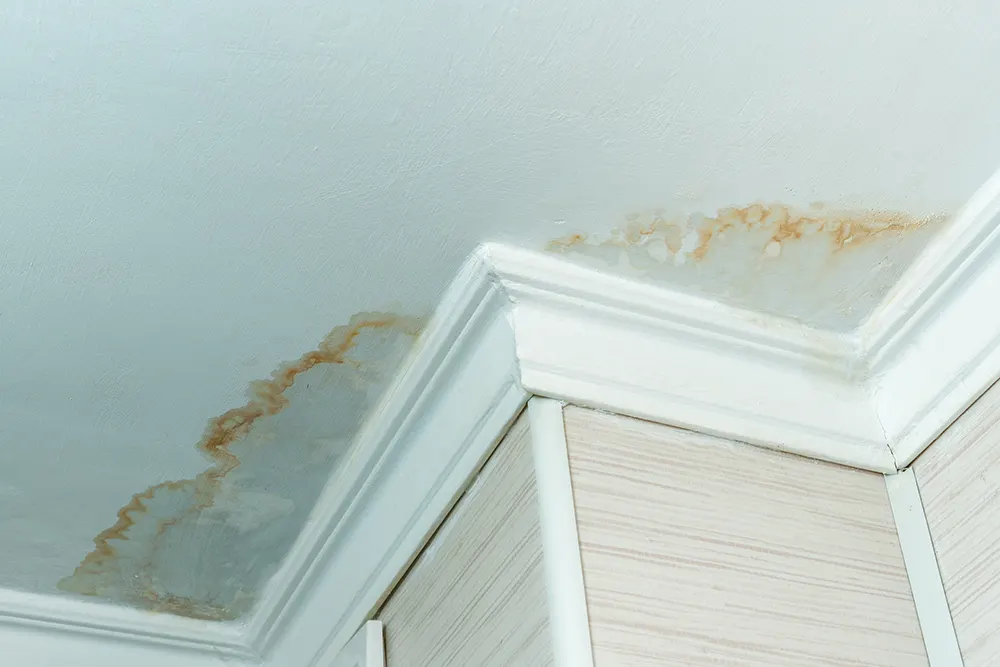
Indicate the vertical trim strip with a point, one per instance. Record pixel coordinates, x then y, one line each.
922 570
365 649
564 585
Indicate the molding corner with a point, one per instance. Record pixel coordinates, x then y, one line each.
611 343
933 348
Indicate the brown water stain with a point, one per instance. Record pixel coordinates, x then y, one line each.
101 572
826 267
783 223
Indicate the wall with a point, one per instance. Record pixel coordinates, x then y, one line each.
701 551
476 595
959 481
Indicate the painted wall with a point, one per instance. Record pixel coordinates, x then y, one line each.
192 193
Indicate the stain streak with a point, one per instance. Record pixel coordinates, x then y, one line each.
266 398
844 229
826 267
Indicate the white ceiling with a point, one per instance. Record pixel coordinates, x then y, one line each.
192 193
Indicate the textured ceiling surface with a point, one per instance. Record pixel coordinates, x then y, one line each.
194 196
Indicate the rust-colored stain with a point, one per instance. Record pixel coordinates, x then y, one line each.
101 572
826 267
784 224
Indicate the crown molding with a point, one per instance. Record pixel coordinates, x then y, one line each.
516 323
423 444
615 344
933 348
57 629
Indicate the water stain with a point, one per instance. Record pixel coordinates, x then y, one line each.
204 547
826 267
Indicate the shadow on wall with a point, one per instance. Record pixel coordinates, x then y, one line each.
204 547
827 268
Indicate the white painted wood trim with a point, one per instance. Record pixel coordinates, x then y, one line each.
934 347
419 451
922 570
605 342
568 618
365 649
57 630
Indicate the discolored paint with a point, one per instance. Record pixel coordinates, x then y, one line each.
203 547
828 268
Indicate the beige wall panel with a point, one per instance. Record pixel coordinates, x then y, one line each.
700 551
959 481
476 596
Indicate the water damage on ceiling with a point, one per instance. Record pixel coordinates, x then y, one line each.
825 267
204 547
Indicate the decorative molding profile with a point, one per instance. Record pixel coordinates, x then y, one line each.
57 630
569 621
424 443
420 448
615 344
516 323
933 348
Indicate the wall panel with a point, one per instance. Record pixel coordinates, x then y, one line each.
959 481
476 595
701 551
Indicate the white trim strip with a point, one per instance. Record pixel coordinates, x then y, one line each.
57 614
366 648
564 584
929 597
608 343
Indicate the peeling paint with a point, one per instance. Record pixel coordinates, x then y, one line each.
828 268
204 547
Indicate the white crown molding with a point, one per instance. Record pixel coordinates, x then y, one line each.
56 629
421 446
610 343
517 323
433 431
933 348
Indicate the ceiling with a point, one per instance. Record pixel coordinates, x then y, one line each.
195 195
